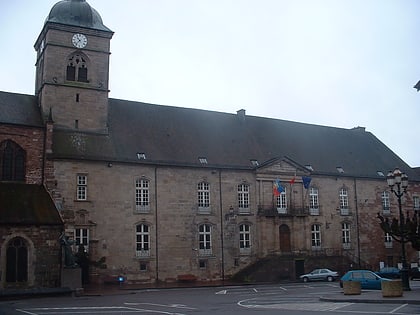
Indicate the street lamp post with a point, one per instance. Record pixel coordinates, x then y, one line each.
398 182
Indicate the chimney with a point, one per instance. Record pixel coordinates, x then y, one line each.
241 115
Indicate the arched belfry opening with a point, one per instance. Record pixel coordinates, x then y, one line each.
77 68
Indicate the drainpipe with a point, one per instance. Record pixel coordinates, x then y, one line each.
357 222
156 228
221 226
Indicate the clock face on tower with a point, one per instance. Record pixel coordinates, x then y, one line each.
79 40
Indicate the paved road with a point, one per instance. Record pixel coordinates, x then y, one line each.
297 298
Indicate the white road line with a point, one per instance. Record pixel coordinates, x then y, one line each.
91 310
163 305
26 312
398 308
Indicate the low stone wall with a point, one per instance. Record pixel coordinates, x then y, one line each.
352 288
392 288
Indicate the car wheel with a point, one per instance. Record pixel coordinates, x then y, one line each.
330 279
305 279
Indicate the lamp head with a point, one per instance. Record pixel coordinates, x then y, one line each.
397 176
390 179
404 181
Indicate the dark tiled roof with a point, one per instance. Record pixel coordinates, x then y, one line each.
179 136
19 109
27 204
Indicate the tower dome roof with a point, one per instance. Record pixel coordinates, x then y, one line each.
77 13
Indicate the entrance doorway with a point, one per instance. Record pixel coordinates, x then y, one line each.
299 268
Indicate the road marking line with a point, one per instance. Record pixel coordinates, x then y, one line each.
398 308
162 305
222 292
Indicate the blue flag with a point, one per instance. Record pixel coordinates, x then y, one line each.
306 181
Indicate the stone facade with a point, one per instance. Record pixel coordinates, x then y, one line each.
173 218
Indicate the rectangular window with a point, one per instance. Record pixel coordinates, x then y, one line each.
344 202
416 202
81 187
281 202
244 238
203 191
385 203
388 240
243 198
345 235
202 264
142 195
204 242
81 237
316 236
143 266
142 240
313 201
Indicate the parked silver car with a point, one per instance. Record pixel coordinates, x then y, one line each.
320 275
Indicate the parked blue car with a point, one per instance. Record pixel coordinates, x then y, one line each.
368 279
389 272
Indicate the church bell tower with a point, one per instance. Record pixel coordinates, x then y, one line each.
72 68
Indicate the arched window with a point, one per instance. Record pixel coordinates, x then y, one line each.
12 161
77 68
17 261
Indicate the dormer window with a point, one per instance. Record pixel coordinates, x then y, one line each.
77 68
141 156
255 163
309 167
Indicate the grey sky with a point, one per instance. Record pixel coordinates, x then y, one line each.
341 63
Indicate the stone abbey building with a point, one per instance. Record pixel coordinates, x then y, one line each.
161 193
